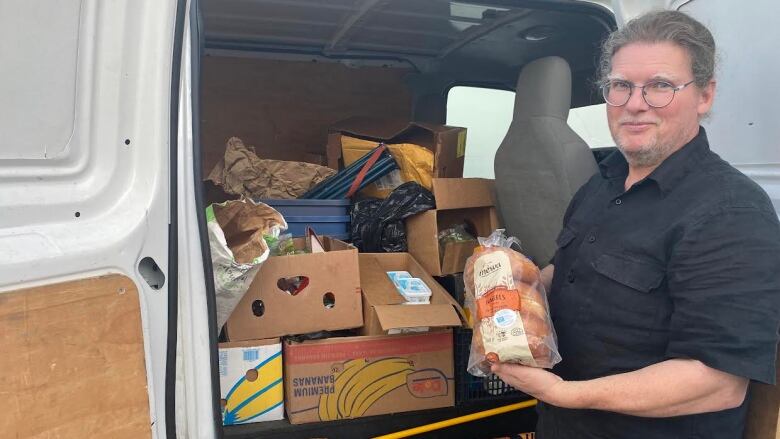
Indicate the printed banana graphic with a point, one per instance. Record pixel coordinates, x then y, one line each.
250 399
360 384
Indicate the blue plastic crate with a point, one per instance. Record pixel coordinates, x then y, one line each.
326 217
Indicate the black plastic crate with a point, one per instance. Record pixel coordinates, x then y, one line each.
471 388
467 386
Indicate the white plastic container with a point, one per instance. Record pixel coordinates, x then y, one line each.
415 291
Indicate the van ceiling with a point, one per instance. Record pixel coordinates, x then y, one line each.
463 41
506 32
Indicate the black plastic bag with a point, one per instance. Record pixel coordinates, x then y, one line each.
377 225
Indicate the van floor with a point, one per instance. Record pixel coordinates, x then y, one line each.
509 424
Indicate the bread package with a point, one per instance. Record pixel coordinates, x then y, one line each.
508 305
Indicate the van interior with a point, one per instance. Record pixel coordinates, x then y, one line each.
279 73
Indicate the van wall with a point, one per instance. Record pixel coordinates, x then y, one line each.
284 108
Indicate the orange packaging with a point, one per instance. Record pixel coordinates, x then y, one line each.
497 299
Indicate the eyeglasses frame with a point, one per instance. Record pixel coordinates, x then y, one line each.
632 86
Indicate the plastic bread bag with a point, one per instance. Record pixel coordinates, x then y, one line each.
508 305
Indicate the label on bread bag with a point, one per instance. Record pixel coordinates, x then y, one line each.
492 270
497 299
498 309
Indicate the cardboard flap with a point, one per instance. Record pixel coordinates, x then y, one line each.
456 254
250 343
434 128
379 129
377 287
410 316
463 193
447 300
421 232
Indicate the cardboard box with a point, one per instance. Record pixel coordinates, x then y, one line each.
384 308
350 377
250 381
447 143
458 201
330 301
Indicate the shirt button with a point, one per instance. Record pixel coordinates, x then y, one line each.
592 238
570 276
618 201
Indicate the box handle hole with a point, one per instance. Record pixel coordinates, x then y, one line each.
251 375
329 300
292 285
258 308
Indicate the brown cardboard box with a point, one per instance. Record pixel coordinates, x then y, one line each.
447 143
350 377
385 310
458 200
316 158
333 278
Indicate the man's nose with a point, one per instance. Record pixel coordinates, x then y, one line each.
636 102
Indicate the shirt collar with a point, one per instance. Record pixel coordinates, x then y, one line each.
670 171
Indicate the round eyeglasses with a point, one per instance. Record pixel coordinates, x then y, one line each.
656 94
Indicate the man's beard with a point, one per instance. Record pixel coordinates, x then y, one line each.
649 155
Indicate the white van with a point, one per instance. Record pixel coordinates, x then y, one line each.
112 112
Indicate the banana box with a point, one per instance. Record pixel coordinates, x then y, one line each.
250 381
351 377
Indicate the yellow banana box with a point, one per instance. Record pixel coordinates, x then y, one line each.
351 377
250 380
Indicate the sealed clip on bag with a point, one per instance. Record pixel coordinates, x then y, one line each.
507 301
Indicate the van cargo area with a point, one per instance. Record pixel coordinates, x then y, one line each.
290 77
259 218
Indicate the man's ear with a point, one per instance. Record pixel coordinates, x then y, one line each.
706 98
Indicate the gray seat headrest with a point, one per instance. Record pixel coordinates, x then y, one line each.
547 83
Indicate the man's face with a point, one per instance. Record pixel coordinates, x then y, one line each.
648 135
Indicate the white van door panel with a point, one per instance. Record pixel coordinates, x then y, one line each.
195 398
743 127
84 169
39 78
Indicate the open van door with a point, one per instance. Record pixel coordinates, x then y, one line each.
90 123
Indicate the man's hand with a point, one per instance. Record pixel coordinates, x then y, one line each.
547 276
533 381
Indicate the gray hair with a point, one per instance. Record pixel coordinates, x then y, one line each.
665 26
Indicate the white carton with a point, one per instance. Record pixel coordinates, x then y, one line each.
250 381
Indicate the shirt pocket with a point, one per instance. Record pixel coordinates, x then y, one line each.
627 301
565 238
630 271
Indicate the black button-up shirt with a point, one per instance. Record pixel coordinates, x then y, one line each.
684 264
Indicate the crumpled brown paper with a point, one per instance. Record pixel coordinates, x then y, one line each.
242 172
244 223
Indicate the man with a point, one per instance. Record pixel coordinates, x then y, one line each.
666 284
